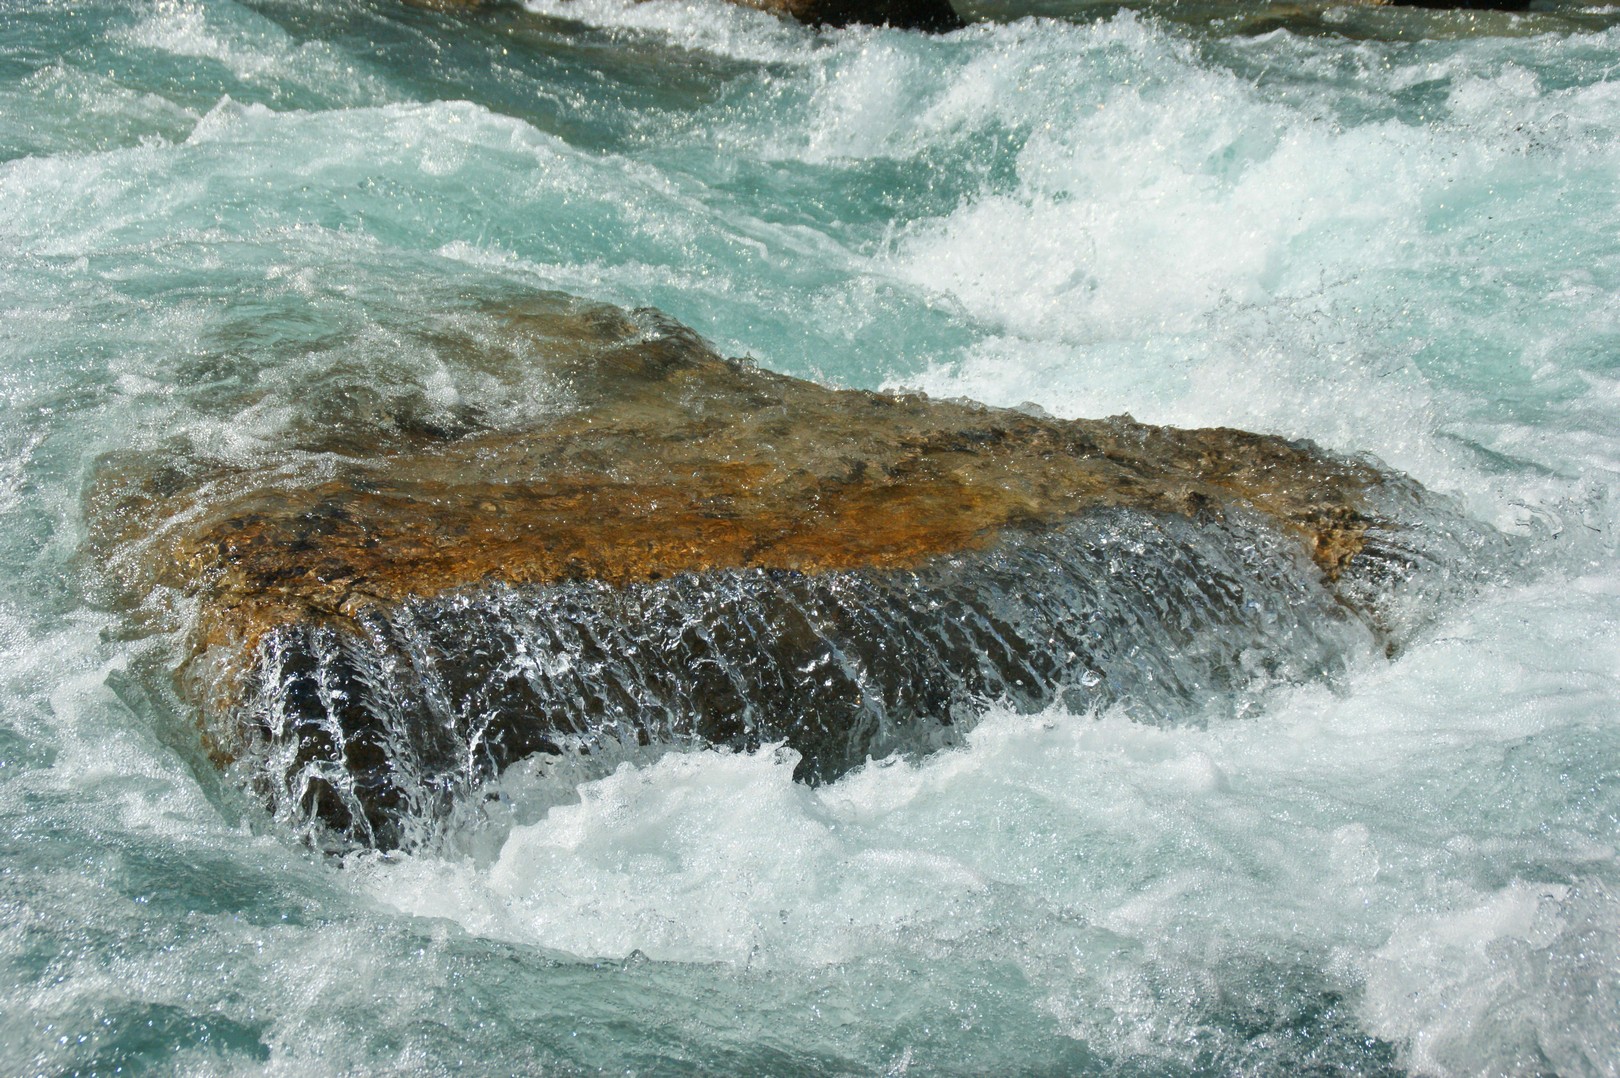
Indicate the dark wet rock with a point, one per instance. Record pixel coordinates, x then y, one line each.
685 549
936 16
1375 20
931 15
1462 5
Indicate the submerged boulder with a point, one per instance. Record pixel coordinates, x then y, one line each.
683 548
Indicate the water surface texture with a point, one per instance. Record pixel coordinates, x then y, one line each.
223 225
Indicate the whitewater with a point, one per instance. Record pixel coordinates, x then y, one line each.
1394 233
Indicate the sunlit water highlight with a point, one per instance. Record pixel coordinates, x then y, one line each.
223 222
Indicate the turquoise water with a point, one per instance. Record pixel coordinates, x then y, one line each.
225 223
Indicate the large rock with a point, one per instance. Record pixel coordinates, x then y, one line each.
688 549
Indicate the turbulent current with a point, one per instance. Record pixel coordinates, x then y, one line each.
1211 844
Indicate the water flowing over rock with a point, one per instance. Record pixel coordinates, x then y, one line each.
679 548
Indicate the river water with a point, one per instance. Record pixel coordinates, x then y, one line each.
1394 233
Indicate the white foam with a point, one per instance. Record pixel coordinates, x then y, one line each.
1178 851
1198 250
1482 962
713 26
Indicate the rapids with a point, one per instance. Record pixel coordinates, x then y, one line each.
224 224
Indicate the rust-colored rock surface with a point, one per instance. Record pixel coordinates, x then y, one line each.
662 458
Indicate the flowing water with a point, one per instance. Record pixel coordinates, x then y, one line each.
1394 233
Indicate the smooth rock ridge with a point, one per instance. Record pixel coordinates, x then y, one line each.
686 549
